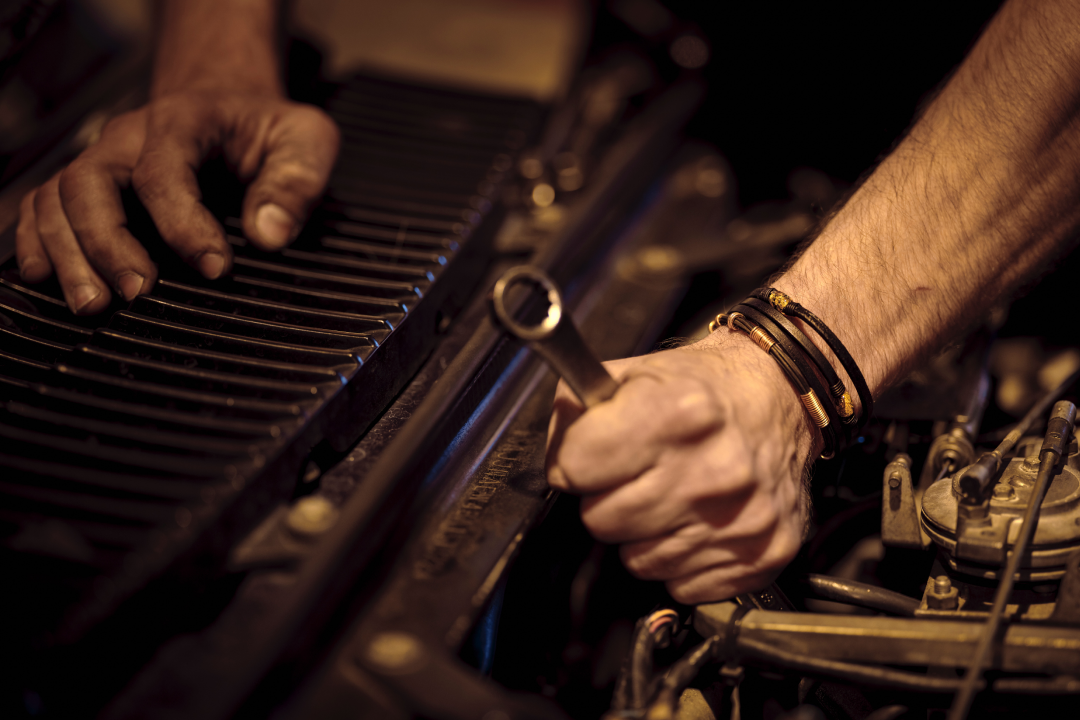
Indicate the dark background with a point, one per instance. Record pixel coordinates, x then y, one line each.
827 85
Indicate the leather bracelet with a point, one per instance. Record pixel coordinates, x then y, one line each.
817 412
819 398
838 393
787 306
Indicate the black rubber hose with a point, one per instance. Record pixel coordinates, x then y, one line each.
862 595
877 677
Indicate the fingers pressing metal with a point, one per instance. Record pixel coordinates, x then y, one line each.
89 190
300 149
177 139
84 289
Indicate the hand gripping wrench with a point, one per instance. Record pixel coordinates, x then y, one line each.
556 337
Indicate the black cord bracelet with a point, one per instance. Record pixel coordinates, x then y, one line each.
789 307
816 398
838 394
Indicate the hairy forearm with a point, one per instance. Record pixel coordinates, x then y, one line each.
217 45
982 193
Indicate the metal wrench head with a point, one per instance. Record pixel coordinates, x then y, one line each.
527 273
555 338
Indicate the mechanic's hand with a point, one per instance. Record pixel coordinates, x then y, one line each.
74 223
696 466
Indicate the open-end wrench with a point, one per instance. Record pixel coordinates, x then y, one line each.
556 337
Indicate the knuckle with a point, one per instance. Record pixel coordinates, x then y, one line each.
557 479
642 565
124 123
318 119
741 472
298 177
682 593
146 175
74 178
600 525
759 520
783 548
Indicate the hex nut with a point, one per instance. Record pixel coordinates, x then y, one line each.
941 595
1004 492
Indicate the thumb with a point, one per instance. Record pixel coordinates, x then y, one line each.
300 153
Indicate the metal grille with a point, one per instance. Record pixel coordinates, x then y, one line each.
149 439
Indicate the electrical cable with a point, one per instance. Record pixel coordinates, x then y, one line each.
636 682
679 676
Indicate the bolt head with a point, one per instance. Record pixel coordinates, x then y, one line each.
1004 492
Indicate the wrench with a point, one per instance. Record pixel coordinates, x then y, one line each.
556 337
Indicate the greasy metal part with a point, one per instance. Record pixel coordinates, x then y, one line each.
1025 648
1067 602
1030 602
862 594
953 449
437 684
899 513
555 338
941 595
285 536
948 452
975 481
1058 434
979 546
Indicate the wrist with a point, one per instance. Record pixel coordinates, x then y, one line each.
218 45
746 369
843 309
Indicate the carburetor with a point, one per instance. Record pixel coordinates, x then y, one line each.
979 549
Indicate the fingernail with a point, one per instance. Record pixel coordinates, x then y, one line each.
83 295
276 226
211 265
129 284
27 265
